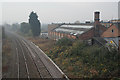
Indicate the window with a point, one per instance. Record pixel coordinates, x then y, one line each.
112 30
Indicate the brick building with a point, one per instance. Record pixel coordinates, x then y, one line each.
69 30
82 31
95 31
112 33
50 28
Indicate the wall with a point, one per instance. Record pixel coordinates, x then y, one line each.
58 35
109 33
87 35
50 28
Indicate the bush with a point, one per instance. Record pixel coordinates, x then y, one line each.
78 59
64 42
77 48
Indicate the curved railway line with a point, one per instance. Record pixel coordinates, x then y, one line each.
30 61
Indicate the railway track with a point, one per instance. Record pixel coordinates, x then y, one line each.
52 68
41 68
25 61
22 64
17 62
30 66
44 73
30 62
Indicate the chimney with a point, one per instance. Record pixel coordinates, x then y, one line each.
96 24
96 17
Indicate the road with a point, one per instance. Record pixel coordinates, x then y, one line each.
29 61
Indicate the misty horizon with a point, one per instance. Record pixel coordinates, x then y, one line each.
55 12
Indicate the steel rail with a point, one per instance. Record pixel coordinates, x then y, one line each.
24 59
32 50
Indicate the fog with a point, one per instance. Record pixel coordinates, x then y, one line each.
48 12
119 10
52 12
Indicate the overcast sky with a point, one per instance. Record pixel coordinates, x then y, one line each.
49 12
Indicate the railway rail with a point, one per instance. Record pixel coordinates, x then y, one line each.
41 68
30 61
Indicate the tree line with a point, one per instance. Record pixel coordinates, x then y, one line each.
34 25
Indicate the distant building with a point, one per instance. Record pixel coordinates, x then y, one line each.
95 31
82 31
106 24
50 28
44 35
115 21
69 30
87 22
112 33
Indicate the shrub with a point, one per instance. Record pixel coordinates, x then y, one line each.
64 42
82 60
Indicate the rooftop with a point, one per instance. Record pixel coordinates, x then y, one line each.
73 29
77 26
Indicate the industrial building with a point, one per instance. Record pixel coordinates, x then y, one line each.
82 31
100 32
113 34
